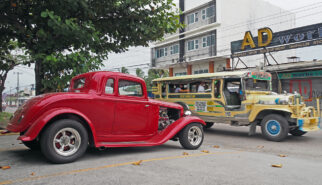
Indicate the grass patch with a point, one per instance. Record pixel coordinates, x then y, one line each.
4 119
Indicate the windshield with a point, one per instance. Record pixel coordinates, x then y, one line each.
257 85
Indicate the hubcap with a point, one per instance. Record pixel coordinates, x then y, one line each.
67 141
273 127
195 135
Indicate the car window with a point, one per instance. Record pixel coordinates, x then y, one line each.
79 83
109 87
130 88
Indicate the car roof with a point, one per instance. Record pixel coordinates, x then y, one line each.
205 75
107 73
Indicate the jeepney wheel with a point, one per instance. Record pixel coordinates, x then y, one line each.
297 132
274 127
208 125
191 136
64 141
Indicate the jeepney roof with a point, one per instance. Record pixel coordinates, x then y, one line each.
224 74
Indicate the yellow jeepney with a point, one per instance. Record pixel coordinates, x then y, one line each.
240 98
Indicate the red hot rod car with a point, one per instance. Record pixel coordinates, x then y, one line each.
102 109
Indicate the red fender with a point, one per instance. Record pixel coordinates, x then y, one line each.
39 124
161 137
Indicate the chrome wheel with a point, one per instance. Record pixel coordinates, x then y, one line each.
195 135
67 141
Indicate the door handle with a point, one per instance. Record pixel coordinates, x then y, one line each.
147 105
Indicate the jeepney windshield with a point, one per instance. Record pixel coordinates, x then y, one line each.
257 85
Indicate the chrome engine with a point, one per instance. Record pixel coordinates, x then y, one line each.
164 119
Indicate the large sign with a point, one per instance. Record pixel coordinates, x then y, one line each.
302 74
267 41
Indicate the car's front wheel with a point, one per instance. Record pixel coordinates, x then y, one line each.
274 127
64 141
191 137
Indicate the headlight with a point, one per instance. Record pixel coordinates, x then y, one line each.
187 113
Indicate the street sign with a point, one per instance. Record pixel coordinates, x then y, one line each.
267 41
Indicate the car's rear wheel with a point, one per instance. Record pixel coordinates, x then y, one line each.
191 136
64 141
297 132
274 127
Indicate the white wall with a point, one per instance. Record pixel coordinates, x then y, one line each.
237 17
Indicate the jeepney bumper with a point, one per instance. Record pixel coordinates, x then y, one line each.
309 124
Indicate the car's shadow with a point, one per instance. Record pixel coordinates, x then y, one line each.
29 157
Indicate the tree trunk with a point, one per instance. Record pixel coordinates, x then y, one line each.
1 91
39 75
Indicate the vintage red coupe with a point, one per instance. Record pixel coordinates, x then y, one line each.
102 109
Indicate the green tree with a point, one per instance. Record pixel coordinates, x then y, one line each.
154 74
10 56
124 70
139 73
50 28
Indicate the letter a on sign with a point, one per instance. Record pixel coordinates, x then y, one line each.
248 41
269 34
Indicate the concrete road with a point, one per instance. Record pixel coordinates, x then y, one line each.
240 159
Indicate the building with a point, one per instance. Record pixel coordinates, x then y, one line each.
204 44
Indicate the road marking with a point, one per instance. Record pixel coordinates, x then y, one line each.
9 134
110 166
13 148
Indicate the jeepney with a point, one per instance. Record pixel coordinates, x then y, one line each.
240 98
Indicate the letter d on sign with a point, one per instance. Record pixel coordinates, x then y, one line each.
269 34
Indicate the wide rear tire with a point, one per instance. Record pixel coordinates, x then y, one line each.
275 127
191 136
64 141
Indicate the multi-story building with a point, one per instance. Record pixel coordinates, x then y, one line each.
204 44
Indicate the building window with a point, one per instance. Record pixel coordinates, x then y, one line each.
203 14
208 40
191 18
201 71
161 52
196 44
191 45
174 49
180 74
208 12
196 17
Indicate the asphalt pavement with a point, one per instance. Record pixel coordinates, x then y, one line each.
228 156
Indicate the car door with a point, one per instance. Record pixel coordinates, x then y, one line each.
105 107
132 110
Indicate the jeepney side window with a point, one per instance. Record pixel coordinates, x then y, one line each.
217 84
164 90
178 88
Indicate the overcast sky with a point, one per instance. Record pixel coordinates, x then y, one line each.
303 18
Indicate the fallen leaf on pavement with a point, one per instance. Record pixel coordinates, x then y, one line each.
282 155
216 146
205 151
32 174
277 165
5 167
137 163
260 147
185 153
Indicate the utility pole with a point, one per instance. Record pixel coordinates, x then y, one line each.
18 73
